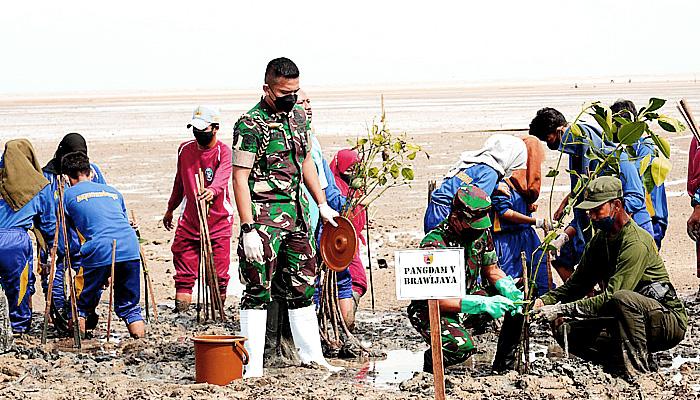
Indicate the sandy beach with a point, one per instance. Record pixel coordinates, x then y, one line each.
133 138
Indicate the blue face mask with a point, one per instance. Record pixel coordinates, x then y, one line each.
606 224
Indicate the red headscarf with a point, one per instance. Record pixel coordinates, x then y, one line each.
341 162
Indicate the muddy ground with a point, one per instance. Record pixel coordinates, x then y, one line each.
134 139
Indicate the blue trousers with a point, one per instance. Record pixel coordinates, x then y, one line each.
509 244
16 261
659 231
127 289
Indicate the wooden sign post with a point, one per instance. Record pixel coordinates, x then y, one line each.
431 275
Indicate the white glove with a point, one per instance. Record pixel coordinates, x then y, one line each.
327 213
253 246
541 223
550 312
560 241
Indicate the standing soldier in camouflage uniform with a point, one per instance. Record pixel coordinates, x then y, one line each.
466 227
271 161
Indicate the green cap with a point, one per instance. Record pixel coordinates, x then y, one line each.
472 205
600 191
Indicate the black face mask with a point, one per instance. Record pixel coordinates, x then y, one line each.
347 178
285 103
203 138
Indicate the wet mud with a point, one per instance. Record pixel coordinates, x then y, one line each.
162 366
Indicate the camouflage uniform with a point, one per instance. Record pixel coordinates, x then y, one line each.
457 343
274 145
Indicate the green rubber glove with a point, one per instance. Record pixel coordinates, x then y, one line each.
496 306
506 287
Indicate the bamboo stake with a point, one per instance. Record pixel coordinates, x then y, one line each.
67 265
148 286
111 290
52 273
689 118
206 250
369 258
526 331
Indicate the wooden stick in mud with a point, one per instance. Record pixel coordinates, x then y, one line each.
111 290
77 342
526 328
369 258
148 289
52 273
212 279
436 346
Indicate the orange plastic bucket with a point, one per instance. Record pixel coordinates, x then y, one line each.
219 359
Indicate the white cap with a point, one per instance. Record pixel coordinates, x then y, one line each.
204 116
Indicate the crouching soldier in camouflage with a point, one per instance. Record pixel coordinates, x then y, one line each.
467 227
637 313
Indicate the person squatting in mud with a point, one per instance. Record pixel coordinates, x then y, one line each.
52 171
638 311
271 160
98 214
213 158
467 226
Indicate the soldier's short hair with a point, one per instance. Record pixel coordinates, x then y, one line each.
546 122
75 164
280 68
624 108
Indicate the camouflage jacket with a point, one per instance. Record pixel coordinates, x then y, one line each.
274 145
478 253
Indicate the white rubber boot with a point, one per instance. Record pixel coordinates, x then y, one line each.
307 340
253 325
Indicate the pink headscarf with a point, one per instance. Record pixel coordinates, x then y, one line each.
341 162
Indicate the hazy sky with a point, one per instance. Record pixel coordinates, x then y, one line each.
51 46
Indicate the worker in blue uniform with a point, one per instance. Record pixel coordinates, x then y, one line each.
25 203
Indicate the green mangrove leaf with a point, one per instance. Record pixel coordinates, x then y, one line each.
576 130
648 180
643 164
407 173
552 173
630 133
669 124
662 144
659 169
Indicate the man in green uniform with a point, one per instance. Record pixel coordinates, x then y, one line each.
638 312
271 161
467 227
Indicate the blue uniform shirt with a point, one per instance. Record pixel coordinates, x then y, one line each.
656 203
500 204
74 242
480 175
632 188
41 206
98 213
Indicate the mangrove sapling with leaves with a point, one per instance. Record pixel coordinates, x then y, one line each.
620 133
384 161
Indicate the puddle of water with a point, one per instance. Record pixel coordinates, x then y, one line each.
398 366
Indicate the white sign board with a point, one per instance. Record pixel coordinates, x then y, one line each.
429 274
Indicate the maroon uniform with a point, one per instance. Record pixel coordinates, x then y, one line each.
215 164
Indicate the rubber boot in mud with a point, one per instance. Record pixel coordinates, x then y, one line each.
307 340
508 342
253 325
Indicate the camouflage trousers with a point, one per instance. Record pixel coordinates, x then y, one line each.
457 342
290 259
